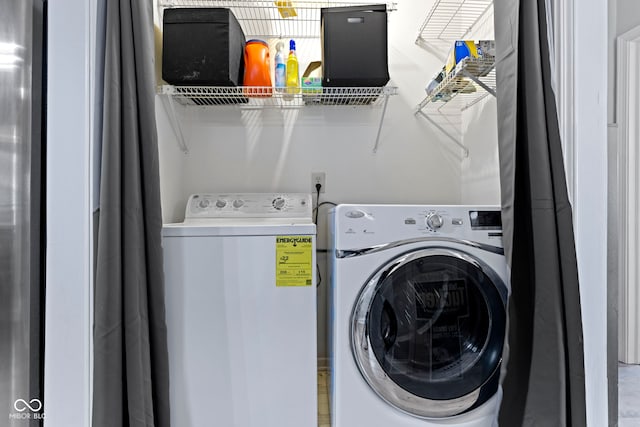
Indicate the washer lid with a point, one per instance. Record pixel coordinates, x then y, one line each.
236 229
427 332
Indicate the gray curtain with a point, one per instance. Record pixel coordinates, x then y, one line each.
544 381
130 348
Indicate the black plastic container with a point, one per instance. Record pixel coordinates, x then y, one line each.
354 46
202 46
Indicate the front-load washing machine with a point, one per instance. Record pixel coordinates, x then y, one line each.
418 315
241 312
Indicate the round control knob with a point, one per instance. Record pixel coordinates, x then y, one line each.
434 221
221 203
238 203
204 203
278 203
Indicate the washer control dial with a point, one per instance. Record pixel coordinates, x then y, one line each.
279 203
434 221
204 203
238 203
221 203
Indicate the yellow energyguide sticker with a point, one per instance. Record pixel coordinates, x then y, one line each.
294 261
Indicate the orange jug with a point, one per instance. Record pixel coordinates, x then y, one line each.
257 69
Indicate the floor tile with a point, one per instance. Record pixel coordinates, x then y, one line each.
324 419
628 395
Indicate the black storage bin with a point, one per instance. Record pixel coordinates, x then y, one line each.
354 46
202 46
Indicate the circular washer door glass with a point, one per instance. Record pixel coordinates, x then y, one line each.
434 323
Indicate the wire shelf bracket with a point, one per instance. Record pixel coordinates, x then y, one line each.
169 107
470 81
465 149
261 97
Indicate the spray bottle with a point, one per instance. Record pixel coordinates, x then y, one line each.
280 68
293 76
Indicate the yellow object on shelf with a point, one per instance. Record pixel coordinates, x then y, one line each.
286 9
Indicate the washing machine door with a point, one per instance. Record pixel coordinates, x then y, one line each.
428 329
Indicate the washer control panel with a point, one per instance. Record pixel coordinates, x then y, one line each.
250 205
369 225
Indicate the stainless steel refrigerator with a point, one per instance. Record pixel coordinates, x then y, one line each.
22 146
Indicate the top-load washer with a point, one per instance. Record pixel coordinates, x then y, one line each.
418 315
241 311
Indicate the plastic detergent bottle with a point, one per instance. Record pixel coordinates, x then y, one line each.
280 76
293 76
257 68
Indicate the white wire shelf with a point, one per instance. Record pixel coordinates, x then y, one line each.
269 97
450 20
273 19
270 20
472 80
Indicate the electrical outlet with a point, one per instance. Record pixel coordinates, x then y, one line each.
318 178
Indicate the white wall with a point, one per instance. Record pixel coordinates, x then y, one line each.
481 170
67 362
276 150
590 198
628 15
